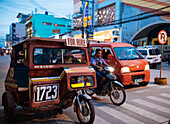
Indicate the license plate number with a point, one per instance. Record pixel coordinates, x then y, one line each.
46 93
138 80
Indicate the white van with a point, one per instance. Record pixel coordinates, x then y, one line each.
152 55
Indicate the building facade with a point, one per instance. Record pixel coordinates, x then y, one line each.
22 17
7 42
120 20
17 31
44 25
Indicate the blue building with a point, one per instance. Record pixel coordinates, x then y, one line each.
17 30
123 20
44 25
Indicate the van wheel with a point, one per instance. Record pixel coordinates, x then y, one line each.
144 83
8 112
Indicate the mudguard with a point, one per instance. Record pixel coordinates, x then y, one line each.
117 83
85 96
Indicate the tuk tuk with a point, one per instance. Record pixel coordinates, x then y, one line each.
47 74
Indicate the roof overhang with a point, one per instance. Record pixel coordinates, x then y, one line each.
143 32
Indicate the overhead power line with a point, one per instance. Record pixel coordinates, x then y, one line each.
132 18
40 6
136 19
129 12
144 13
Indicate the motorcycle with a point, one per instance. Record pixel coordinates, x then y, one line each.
110 87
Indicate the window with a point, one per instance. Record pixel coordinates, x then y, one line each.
47 56
127 53
106 15
42 56
157 51
19 57
59 25
107 53
56 31
46 23
25 54
144 52
93 51
152 52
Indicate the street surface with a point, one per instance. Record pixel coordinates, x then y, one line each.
144 105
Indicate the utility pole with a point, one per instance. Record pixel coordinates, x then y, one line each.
82 18
87 33
92 12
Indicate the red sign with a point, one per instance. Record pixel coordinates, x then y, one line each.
162 37
76 42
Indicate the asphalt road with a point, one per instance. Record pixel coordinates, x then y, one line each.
144 105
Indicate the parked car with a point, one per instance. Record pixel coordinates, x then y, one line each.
152 55
1 53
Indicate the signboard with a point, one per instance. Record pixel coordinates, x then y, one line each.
76 42
162 37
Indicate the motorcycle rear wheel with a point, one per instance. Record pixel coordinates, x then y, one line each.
117 95
88 111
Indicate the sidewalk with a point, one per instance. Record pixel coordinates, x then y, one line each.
156 73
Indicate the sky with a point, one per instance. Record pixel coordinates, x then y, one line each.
9 9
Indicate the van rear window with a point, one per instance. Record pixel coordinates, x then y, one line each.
127 53
47 56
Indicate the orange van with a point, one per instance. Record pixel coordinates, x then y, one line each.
130 66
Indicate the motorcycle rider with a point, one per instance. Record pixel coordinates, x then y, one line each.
97 62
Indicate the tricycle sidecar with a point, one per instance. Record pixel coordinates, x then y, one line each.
47 74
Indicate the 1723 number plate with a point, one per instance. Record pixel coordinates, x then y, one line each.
46 93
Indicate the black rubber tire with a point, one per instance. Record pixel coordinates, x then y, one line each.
91 93
124 95
144 83
9 113
92 111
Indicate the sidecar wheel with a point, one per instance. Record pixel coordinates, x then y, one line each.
8 112
88 114
117 95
